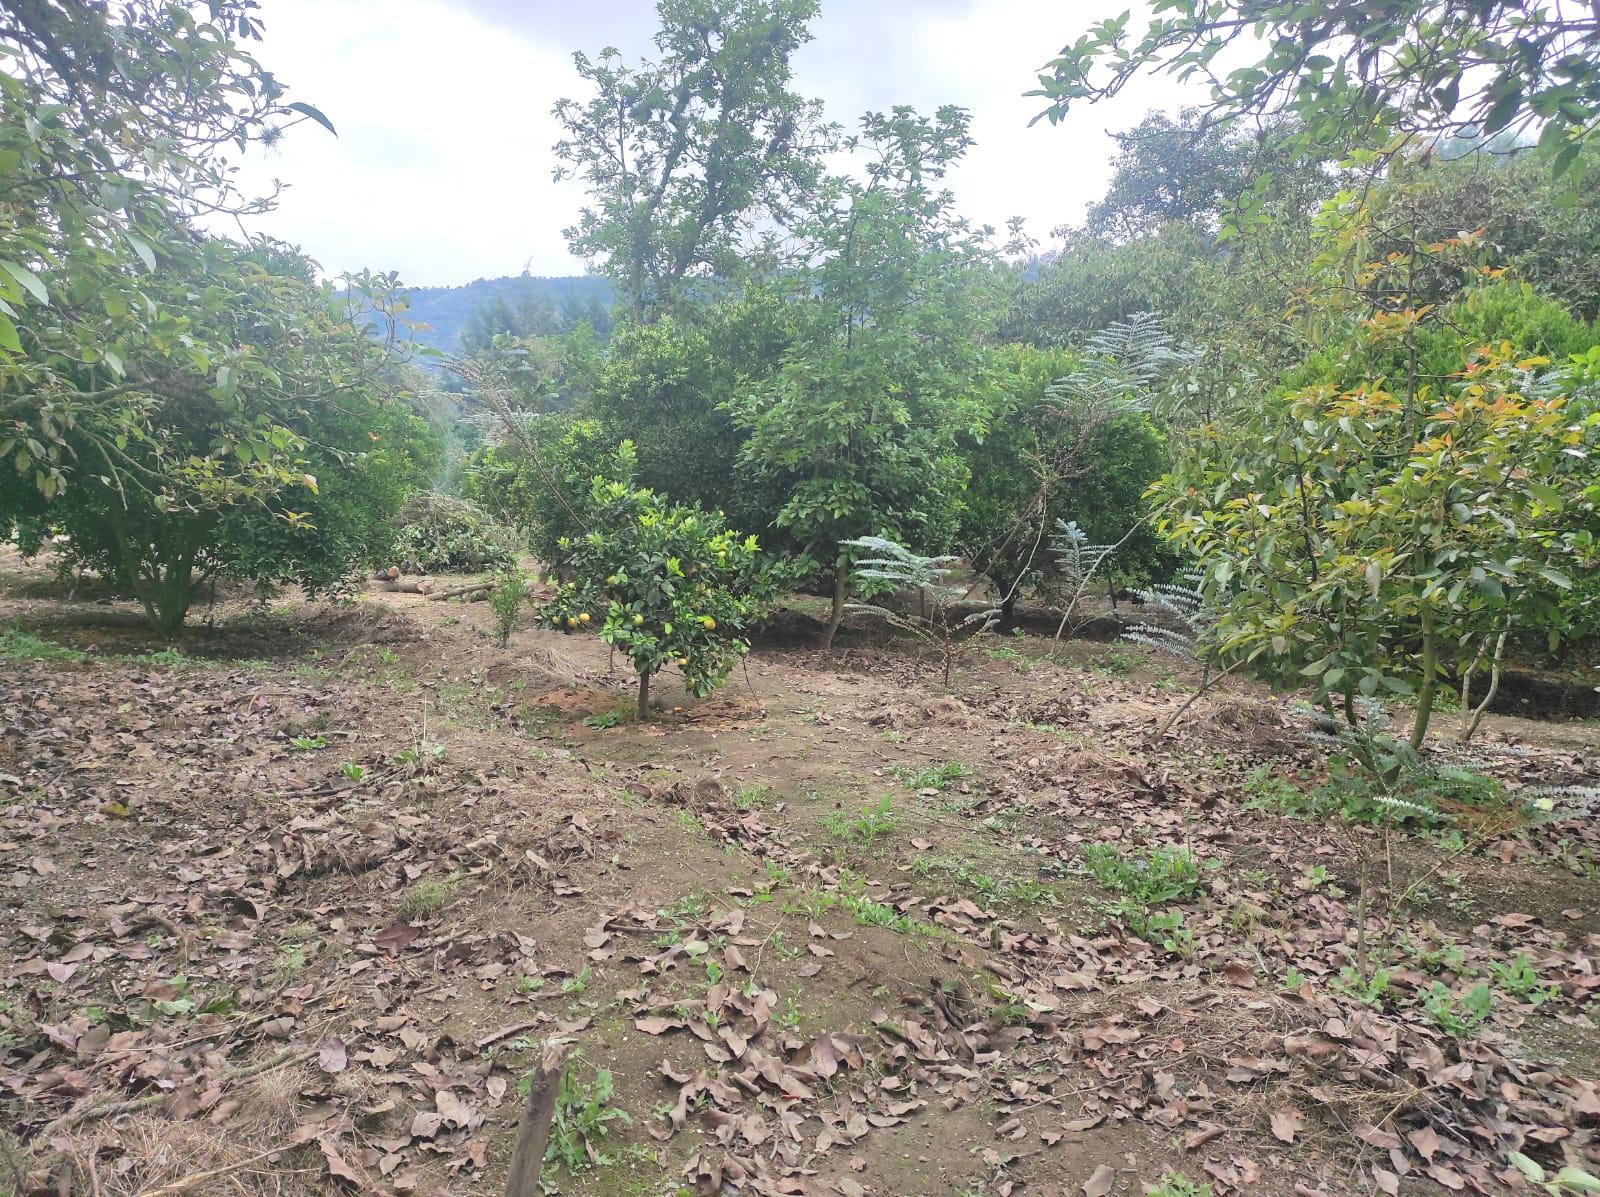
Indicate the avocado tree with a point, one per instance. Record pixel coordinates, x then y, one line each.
664 584
1360 539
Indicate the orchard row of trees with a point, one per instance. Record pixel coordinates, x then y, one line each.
1325 345
1338 369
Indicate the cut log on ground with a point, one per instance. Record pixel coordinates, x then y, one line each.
411 586
460 591
391 574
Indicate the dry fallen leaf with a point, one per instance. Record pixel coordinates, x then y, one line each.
1101 1183
1287 1123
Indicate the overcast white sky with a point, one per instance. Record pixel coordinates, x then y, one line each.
442 166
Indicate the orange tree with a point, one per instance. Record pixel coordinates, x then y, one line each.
663 583
1358 538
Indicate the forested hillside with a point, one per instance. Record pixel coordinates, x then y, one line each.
442 317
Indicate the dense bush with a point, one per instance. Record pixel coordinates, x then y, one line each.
542 500
1053 453
286 466
443 534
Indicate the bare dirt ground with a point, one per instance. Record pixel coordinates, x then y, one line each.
288 908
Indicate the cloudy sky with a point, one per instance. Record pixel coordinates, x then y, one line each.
442 166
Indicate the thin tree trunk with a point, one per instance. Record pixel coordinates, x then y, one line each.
642 702
1494 686
1430 681
841 583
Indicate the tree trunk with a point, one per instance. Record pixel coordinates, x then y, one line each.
1494 687
641 704
1430 681
533 1132
841 585
1008 612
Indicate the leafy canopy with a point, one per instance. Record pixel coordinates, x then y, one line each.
1353 70
114 123
688 156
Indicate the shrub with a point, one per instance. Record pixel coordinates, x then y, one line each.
662 583
442 534
281 461
1356 539
510 589
541 499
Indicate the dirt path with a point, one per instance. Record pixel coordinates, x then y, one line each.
830 931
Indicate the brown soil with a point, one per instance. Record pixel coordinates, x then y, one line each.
794 986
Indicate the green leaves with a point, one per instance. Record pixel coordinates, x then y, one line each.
1354 80
664 584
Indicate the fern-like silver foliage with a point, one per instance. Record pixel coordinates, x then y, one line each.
1076 556
1188 618
1126 363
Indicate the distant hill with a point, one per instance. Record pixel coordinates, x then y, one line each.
444 310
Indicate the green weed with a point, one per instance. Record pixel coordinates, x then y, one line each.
870 824
1457 1016
1368 991
1176 1184
583 1116
1521 980
1163 874
17 645
932 777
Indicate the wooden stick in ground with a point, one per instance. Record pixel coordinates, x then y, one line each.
533 1133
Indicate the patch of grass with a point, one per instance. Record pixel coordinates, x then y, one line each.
866 827
751 797
1018 891
308 743
1116 661
1415 799
1007 653
351 771
17 645
932 777
427 897
583 1117
1071 739
1176 1184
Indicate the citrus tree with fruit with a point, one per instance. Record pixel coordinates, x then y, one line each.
665 584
